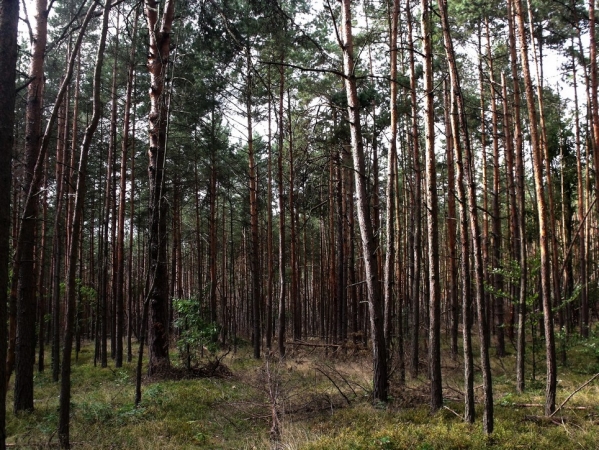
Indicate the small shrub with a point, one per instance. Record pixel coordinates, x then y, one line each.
195 333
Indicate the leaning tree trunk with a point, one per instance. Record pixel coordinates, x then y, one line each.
375 306
9 18
158 57
73 260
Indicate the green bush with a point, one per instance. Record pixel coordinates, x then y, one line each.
196 334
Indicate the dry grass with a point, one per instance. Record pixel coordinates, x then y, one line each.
322 402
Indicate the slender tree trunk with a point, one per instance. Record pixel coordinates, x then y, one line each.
269 236
515 231
389 271
416 238
25 338
520 197
469 411
584 305
281 195
255 237
120 244
537 158
9 18
452 288
469 179
594 105
296 307
496 217
434 341
65 385
375 304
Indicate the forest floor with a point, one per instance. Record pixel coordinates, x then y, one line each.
322 401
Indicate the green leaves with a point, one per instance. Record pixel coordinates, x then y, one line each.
195 332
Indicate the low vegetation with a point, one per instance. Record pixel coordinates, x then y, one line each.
312 400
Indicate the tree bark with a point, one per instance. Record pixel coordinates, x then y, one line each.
9 18
520 198
469 178
120 244
158 58
281 200
65 384
25 338
369 253
434 340
537 158
415 217
389 269
255 237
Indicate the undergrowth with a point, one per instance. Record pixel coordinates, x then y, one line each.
320 402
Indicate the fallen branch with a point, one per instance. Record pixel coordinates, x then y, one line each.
451 410
581 387
309 344
539 405
334 384
546 420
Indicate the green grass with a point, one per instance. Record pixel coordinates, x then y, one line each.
323 404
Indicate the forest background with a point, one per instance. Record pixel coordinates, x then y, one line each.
415 178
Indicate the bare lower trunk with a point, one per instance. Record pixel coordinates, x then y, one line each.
434 341
379 349
25 337
9 18
65 385
469 179
158 57
537 159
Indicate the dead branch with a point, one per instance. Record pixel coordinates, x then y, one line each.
309 344
581 387
451 410
334 384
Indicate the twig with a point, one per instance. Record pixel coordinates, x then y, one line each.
451 410
334 384
314 345
582 386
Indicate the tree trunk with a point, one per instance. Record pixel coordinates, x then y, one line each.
594 105
389 270
158 58
281 195
469 178
520 196
65 385
434 341
584 305
255 237
537 158
375 306
120 244
416 238
452 249
9 18
25 338
496 215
